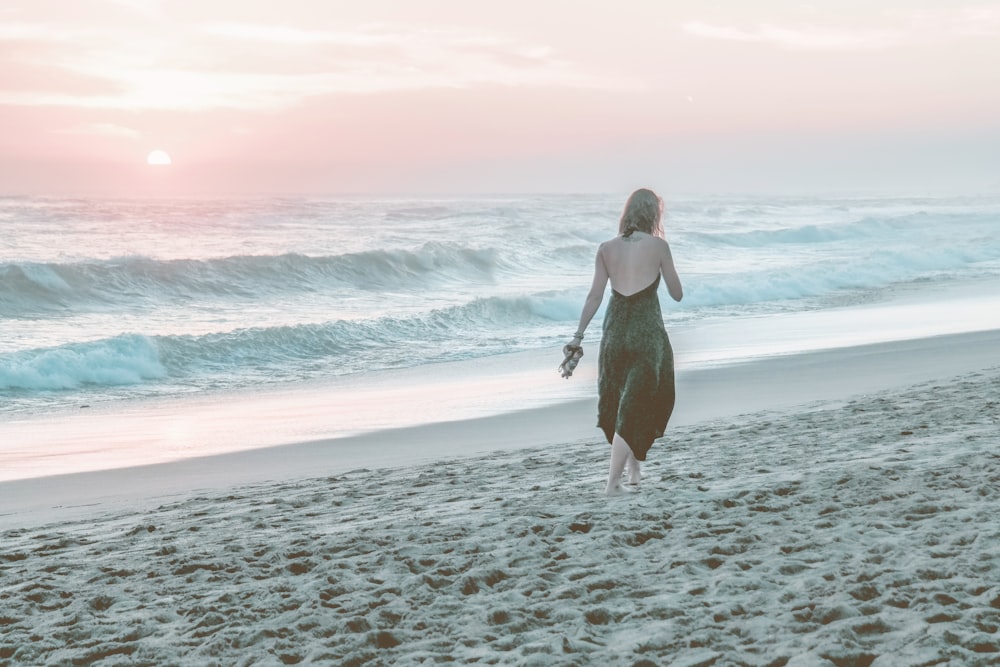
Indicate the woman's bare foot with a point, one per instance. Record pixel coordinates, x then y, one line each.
618 490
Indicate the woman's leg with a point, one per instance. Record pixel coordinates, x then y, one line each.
619 455
634 474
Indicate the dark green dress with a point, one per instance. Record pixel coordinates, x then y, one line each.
635 377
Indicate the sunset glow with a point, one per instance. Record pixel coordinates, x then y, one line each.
158 158
391 97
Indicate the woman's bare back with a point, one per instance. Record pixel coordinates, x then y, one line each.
633 262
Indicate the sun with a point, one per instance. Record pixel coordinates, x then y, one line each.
158 158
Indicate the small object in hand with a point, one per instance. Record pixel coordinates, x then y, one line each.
573 354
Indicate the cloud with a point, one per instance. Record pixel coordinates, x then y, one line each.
290 35
270 67
979 21
902 27
148 7
102 129
39 32
802 38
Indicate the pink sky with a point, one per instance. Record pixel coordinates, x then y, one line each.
456 96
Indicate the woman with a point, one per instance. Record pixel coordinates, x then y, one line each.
636 364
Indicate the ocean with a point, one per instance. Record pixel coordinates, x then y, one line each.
122 302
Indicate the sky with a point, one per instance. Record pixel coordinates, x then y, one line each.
520 96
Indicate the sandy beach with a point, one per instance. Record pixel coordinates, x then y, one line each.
855 526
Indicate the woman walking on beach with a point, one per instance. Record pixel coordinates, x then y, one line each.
636 364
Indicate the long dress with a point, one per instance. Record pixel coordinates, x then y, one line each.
635 378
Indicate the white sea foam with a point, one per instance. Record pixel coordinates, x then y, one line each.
122 360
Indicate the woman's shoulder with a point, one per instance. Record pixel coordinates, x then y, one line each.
652 240
657 241
636 237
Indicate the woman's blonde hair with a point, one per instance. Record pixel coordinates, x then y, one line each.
642 213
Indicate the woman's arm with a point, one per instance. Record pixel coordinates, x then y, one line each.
595 296
670 276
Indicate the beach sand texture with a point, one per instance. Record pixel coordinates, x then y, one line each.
861 532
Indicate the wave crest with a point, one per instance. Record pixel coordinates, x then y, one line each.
862 229
122 360
44 288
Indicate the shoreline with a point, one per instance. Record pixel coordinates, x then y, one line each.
163 429
768 385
